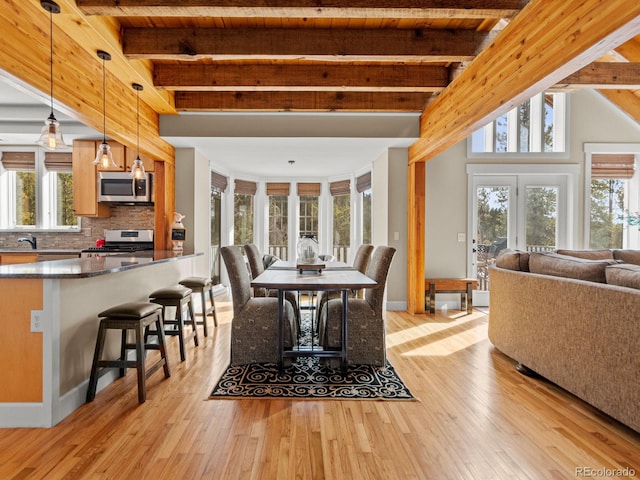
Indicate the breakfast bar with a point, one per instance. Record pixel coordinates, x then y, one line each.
49 315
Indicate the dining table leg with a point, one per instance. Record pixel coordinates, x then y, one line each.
281 329
345 333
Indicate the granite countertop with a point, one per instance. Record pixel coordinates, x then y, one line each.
91 267
40 251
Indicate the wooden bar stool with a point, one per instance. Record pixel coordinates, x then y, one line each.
178 297
203 286
137 316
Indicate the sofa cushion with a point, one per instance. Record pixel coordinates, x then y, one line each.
513 260
568 266
624 275
603 254
627 256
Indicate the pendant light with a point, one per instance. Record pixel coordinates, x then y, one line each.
104 157
51 135
137 169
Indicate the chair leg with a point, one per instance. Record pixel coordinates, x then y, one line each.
140 354
180 332
123 351
192 319
204 313
213 307
97 355
162 347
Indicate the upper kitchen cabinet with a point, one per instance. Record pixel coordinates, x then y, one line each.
85 183
130 154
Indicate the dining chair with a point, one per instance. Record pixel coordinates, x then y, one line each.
366 328
360 262
256 265
254 328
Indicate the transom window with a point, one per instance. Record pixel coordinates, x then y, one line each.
536 126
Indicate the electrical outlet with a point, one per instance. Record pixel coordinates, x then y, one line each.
461 237
36 320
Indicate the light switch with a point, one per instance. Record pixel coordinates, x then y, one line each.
461 237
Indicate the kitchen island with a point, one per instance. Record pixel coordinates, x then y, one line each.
49 315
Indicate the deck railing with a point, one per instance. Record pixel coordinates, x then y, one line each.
486 258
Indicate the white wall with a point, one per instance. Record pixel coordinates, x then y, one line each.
193 200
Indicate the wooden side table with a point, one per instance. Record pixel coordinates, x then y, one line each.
463 286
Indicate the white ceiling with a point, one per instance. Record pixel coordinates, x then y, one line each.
256 145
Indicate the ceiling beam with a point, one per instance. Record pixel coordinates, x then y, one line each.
330 45
603 75
331 77
306 8
302 101
526 58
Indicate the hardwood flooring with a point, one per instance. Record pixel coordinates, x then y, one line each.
475 417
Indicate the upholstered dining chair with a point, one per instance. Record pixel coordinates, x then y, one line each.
256 265
254 328
366 326
360 262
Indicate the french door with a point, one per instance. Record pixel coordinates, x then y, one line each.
524 212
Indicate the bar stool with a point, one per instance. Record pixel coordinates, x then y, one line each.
135 316
203 285
178 297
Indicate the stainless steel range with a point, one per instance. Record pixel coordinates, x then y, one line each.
121 241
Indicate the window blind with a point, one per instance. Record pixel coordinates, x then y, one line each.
58 161
308 189
244 187
218 182
343 187
274 188
612 165
19 160
363 182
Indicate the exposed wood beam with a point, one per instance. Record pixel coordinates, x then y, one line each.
630 50
306 8
618 75
302 101
314 44
626 101
332 77
505 74
77 79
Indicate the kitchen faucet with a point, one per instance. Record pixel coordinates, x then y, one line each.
33 241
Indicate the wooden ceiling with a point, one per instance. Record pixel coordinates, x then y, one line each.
314 55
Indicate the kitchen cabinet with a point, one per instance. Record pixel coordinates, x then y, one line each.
18 257
85 183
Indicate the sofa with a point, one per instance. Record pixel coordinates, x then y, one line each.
573 317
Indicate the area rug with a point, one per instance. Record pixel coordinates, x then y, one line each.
306 378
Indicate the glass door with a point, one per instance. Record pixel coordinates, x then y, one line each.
216 235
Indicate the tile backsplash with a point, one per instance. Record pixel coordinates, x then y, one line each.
122 217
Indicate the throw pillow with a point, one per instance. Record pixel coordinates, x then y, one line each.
627 256
602 254
513 260
624 275
569 267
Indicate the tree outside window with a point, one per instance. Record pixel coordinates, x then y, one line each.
341 226
242 219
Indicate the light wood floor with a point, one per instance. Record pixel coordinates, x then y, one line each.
475 418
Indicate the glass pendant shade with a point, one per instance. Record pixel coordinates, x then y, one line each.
104 157
51 135
137 169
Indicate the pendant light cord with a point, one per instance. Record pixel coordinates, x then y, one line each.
104 102
138 121
51 57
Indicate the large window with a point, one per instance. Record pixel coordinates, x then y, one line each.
308 198
363 186
535 126
36 190
243 210
341 192
218 186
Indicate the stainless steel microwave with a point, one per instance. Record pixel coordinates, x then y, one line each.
120 187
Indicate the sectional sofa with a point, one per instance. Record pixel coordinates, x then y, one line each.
573 317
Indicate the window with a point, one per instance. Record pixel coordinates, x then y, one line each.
610 176
278 194
341 192
308 198
363 186
218 186
37 190
243 203
535 126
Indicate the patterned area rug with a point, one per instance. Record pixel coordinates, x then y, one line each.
307 378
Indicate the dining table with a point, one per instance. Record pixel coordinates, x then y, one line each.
335 276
